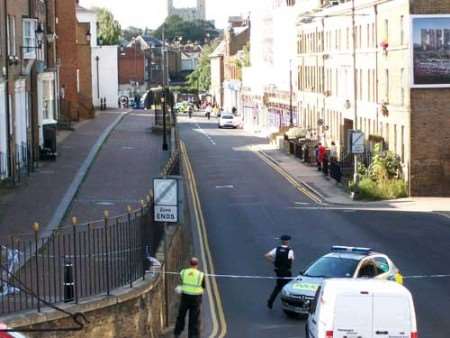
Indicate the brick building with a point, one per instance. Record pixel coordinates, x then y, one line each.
27 84
132 69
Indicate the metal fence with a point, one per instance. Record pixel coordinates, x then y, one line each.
79 261
3 165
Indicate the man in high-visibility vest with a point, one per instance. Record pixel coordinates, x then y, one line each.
192 287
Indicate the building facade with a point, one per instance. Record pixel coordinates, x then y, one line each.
189 13
354 72
27 83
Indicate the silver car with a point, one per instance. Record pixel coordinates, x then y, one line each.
341 262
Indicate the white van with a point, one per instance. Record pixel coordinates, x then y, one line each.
359 308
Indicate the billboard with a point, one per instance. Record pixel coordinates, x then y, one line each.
430 50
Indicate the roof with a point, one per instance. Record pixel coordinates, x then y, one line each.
362 284
219 51
151 41
240 30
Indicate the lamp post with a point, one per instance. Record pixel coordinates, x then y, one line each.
291 118
355 102
165 146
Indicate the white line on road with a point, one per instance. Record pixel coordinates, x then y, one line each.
225 186
202 131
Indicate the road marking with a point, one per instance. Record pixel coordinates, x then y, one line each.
219 324
225 186
202 131
301 203
287 176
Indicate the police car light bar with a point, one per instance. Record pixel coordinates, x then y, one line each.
341 248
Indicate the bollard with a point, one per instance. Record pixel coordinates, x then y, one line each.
69 285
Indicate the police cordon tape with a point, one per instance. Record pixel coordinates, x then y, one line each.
291 278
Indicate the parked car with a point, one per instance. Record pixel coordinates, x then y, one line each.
341 262
350 308
228 120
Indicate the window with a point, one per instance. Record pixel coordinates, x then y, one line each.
402 86
386 30
402 30
403 143
386 81
369 84
29 38
395 138
381 264
11 31
368 36
347 38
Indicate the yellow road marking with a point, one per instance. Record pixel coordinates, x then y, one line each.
213 292
288 177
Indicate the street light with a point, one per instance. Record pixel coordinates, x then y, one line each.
165 146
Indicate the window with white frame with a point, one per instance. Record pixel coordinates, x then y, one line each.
11 32
29 38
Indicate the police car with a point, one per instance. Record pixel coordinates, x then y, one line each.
341 262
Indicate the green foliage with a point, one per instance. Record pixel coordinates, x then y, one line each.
381 179
246 55
176 27
381 190
130 32
200 78
109 28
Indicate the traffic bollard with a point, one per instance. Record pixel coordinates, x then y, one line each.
69 284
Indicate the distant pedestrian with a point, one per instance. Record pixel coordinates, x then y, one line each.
192 287
322 156
316 152
234 111
208 111
282 258
190 111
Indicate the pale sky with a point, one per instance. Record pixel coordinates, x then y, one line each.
150 13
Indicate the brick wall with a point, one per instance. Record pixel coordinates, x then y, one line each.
430 125
131 65
85 65
67 52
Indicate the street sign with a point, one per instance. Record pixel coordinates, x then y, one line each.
357 142
167 214
166 199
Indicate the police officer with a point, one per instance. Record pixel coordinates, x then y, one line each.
282 258
192 287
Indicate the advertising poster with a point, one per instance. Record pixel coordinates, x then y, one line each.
431 51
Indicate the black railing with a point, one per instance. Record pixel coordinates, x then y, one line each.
3 165
24 163
81 260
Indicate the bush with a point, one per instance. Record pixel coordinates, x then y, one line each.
381 190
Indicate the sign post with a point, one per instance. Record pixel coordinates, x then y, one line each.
166 199
357 142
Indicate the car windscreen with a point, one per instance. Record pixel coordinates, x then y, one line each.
227 117
332 267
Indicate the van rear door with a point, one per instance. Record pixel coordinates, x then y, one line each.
353 316
392 317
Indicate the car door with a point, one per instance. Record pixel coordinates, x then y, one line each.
391 316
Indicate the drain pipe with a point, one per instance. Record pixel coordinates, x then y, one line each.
8 110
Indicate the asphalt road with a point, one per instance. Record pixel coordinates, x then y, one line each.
247 204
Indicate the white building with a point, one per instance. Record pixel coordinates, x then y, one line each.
105 70
187 13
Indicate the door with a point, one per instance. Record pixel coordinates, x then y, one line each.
21 121
353 316
46 102
392 317
3 133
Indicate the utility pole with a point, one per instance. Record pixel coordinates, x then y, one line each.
355 99
165 146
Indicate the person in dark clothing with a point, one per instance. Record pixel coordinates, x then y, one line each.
282 258
192 288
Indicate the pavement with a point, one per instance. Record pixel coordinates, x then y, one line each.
105 163
332 192
246 203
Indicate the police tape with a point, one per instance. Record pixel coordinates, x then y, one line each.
289 278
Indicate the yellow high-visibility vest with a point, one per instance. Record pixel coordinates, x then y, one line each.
192 281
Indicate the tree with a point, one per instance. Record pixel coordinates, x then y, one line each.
109 28
200 78
130 32
176 27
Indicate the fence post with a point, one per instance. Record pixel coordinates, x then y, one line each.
142 238
75 274
36 227
108 287
130 254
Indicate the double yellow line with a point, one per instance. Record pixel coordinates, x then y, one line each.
219 325
287 176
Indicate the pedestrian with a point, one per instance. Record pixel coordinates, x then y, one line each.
333 159
192 287
215 110
282 258
208 111
190 111
316 152
322 156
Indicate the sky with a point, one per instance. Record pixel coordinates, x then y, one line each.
150 13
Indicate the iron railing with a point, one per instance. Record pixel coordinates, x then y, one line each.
81 260
3 165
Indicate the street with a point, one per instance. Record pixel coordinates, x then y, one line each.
246 205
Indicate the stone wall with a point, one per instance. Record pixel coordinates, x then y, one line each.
127 313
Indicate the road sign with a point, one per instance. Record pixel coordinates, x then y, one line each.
167 214
166 199
357 142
